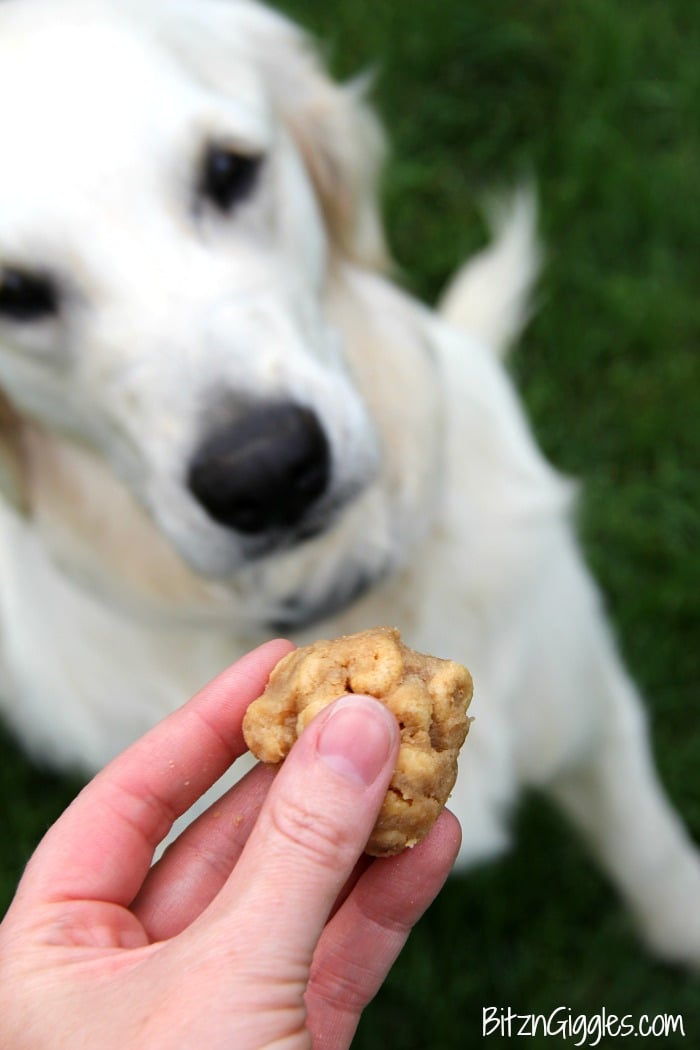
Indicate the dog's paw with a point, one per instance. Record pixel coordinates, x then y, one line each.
670 926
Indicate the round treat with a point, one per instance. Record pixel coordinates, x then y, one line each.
429 698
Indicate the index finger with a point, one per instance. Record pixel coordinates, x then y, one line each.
101 848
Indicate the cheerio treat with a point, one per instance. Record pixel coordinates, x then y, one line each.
429 698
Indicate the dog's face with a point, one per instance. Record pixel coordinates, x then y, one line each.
176 189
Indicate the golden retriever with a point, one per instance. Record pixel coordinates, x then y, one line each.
222 419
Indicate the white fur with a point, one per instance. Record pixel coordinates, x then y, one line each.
119 596
487 295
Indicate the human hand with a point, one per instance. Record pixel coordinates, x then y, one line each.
262 924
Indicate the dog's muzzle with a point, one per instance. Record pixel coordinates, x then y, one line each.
264 472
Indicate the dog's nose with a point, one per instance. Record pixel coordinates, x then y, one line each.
264 471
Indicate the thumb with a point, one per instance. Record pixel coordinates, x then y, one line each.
314 825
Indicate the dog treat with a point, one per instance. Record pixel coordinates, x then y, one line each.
428 696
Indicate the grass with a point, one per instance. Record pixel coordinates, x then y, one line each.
599 101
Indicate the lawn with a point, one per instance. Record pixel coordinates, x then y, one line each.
599 102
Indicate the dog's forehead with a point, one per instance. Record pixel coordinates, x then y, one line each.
82 96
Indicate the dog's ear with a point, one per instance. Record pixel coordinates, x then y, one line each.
13 486
338 135
343 147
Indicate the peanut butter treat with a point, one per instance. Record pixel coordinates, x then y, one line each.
429 698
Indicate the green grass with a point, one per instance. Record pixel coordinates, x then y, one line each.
599 101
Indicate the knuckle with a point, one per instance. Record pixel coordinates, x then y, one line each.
346 986
321 836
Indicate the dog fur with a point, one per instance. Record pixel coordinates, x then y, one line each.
119 594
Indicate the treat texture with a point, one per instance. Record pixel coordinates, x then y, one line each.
428 696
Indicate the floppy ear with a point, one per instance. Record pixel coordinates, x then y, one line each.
343 147
338 135
12 460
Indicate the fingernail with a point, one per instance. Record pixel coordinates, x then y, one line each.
358 739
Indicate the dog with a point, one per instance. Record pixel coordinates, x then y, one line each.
222 419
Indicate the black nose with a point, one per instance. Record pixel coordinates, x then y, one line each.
264 471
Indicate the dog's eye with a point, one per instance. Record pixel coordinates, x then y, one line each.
27 296
227 177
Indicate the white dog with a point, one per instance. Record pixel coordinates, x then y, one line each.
221 420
